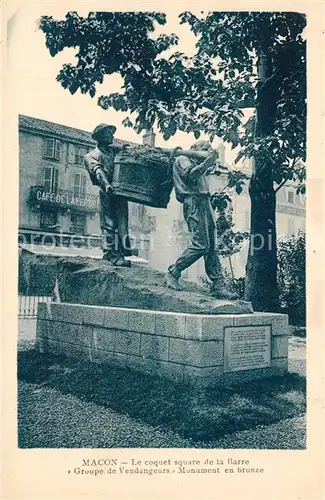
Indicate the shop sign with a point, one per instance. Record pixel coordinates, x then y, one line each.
67 199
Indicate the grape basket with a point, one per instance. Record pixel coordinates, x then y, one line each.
143 178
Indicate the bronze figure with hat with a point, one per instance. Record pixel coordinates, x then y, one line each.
113 209
98 130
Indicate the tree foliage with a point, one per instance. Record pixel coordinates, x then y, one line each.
230 241
205 93
242 60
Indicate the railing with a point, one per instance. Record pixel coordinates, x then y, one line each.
63 198
27 305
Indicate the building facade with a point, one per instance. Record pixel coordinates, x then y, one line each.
58 203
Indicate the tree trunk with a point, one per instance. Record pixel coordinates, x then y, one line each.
261 269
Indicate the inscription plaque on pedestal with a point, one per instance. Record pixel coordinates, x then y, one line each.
247 348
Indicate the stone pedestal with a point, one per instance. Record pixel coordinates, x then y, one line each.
199 349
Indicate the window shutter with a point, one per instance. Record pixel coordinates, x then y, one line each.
57 150
55 180
50 179
47 179
83 185
76 184
71 152
49 148
134 210
76 155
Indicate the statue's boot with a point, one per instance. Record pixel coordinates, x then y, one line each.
219 291
116 261
171 281
123 263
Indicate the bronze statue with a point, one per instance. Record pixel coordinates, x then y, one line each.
113 209
191 189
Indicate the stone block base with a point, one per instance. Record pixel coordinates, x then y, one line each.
193 349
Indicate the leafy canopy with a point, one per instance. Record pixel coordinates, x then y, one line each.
205 93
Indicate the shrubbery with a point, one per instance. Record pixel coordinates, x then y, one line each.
234 284
292 277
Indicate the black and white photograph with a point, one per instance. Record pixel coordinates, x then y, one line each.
162 171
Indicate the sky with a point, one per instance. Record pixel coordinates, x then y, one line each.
32 73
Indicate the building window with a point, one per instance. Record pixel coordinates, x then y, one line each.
52 149
137 211
78 223
144 249
79 185
48 219
302 199
178 230
291 197
134 210
79 153
291 226
152 221
50 179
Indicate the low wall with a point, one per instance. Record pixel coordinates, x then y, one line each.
188 348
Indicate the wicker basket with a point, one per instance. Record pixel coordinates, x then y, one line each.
142 181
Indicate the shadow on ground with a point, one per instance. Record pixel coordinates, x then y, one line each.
198 415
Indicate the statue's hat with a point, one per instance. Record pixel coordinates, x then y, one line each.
100 128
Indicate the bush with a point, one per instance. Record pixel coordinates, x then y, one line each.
292 277
234 284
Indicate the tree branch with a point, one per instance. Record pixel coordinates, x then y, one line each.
280 185
245 103
285 180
